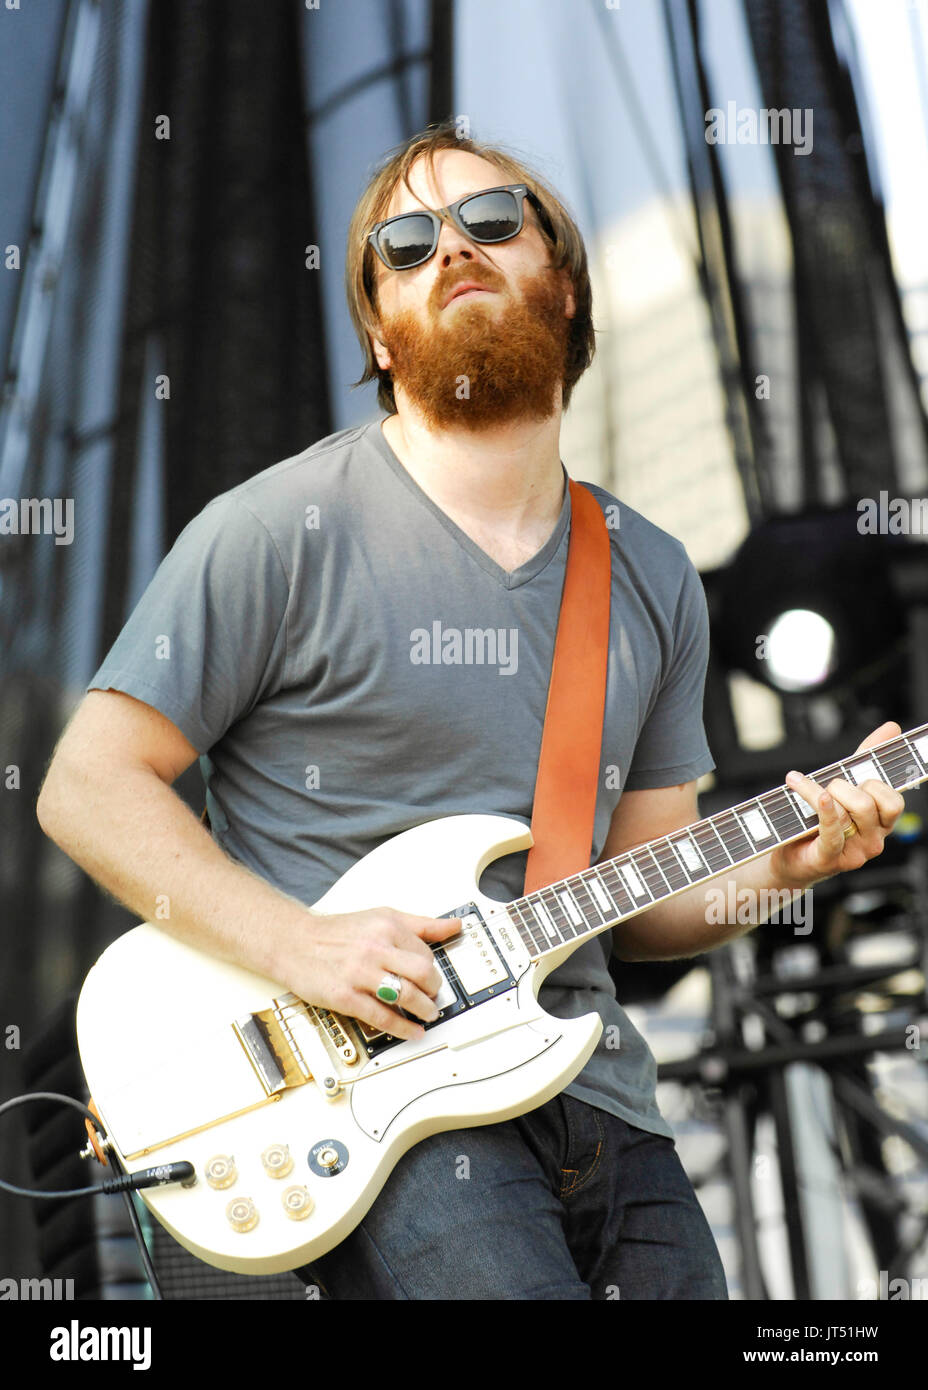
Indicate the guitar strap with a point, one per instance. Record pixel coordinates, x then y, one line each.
571 741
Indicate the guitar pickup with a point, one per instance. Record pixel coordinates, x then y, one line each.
471 960
472 972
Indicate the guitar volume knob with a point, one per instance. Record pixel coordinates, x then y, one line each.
242 1214
221 1171
277 1161
297 1203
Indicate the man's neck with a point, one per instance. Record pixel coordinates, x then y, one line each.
506 482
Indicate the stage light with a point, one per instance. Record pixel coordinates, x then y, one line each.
808 604
802 650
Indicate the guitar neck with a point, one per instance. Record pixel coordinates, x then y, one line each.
600 897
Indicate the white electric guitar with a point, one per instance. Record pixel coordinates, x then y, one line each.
292 1116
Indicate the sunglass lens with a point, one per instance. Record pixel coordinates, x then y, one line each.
407 240
491 216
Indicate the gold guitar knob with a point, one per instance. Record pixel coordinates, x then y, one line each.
242 1214
297 1203
221 1171
277 1161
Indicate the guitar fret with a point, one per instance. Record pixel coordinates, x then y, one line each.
534 927
584 900
598 889
803 809
544 917
617 889
649 849
591 882
879 764
570 907
709 846
647 872
895 766
676 849
688 853
733 837
675 875
678 856
828 774
781 814
538 909
557 914
631 877
715 830
920 748
756 825
531 934
864 770
823 784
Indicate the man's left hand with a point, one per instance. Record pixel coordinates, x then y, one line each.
872 809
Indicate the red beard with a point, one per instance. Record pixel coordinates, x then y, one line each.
475 365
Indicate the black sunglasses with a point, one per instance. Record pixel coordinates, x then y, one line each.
494 214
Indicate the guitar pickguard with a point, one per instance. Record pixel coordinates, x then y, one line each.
459 1052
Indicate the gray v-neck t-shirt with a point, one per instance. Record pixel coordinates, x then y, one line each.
349 664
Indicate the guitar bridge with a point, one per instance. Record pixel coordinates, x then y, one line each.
294 1042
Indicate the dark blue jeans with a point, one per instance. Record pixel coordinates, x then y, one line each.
566 1202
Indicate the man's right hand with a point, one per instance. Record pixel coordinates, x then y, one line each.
108 802
339 959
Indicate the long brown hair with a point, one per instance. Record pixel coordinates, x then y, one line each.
567 249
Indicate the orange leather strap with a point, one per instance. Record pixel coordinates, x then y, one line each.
571 742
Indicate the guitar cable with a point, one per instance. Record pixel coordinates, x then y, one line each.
125 1183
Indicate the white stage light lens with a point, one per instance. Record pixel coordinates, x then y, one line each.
801 650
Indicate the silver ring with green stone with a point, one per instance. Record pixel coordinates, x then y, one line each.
389 988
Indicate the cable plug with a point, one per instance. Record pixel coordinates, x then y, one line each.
164 1173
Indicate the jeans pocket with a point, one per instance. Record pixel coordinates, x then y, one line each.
586 1143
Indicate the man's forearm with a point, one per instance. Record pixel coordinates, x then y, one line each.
135 836
706 915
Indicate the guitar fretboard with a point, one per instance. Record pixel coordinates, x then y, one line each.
596 898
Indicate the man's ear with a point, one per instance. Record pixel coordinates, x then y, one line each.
380 352
570 302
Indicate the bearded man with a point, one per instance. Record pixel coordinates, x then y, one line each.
294 608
